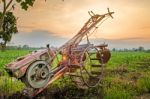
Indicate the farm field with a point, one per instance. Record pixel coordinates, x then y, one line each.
126 76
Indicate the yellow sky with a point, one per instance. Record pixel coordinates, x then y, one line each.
64 19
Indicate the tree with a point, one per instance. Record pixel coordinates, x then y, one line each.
8 21
9 5
25 47
8 28
114 49
141 48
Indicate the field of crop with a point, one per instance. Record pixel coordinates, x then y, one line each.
126 76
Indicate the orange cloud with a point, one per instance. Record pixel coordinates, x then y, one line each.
64 19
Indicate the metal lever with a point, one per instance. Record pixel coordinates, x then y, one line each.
91 13
110 13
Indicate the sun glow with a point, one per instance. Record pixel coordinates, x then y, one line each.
64 19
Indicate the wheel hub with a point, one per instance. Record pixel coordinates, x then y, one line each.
43 74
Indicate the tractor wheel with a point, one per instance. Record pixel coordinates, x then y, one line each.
90 71
37 75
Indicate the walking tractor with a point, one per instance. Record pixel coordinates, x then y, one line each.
84 63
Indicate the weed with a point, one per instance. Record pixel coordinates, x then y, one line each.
143 84
9 86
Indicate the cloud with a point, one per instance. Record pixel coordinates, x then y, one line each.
131 39
123 43
37 38
64 19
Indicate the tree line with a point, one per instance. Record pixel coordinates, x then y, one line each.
27 47
140 49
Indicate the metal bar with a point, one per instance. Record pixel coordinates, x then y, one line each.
54 78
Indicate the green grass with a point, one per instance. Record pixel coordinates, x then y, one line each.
123 75
10 55
9 85
126 76
143 84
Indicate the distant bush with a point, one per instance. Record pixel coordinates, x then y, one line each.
148 51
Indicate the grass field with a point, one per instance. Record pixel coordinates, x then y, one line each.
126 76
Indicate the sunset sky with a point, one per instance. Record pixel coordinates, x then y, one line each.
56 21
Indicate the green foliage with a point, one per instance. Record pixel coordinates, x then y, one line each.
143 84
148 51
10 23
10 55
56 60
117 88
117 92
25 3
9 28
123 77
8 20
10 85
126 58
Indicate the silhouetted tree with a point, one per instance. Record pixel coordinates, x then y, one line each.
141 48
25 47
113 49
